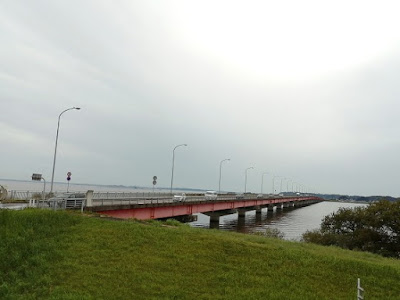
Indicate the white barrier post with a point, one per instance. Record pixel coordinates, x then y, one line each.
360 290
89 198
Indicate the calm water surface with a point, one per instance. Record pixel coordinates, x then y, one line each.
292 222
37 186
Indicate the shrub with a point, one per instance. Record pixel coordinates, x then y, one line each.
375 228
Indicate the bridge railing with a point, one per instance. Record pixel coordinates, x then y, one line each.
29 195
124 195
57 204
113 198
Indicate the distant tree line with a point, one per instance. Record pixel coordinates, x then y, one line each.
373 228
355 198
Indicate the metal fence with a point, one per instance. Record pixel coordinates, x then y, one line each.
29 195
57 204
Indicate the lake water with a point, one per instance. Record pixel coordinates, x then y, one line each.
37 186
291 222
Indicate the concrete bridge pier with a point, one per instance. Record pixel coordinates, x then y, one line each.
271 207
241 212
215 215
278 206
241 222
258 214
214 220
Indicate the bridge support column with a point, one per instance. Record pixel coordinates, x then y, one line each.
258 214
215 216
278 206
270 207
214 220
242 212
241 222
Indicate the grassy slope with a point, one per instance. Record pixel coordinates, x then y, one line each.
64 256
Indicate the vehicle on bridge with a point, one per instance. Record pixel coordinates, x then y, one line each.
239 196
211 195
179 197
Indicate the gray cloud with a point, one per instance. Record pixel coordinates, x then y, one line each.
144 87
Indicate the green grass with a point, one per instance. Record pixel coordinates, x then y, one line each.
61 255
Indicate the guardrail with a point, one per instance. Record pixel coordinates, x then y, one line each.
106 199
129 198
57 204
29 195
118 195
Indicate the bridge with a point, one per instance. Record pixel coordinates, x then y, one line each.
142 207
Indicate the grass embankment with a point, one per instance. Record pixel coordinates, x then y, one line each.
60 255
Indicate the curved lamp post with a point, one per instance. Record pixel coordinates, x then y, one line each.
273 183
262 181
294 186
173 162
282 179
245 178
287 184
55 148
220 168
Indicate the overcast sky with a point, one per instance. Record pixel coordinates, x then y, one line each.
308 90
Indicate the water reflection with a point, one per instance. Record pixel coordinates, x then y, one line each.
292 222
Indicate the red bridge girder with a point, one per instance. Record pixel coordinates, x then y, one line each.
179 209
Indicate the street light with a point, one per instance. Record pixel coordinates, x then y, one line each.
173 161
273 183
262 181
245 178
287 184
282 179
55 148
295 184
220 167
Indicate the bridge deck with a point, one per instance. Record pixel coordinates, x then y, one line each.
162 209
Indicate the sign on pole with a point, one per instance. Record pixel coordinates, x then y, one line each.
154 182
68 178
37 177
